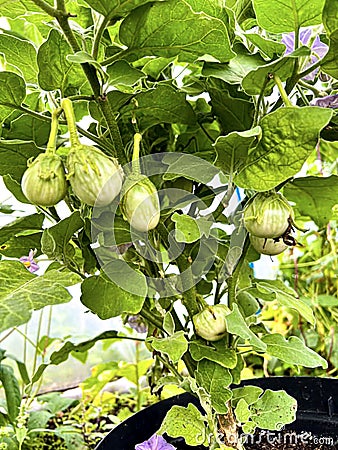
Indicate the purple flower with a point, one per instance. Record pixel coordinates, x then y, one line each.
318 48
330 101
29 262
136 323
156 442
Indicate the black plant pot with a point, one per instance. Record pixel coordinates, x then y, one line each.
317 412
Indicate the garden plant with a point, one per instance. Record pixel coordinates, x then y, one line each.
165 146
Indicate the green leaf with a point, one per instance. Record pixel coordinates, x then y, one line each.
55 71
174 346
162 105
179 165
172 28
232 150
270 290
282 16
292 351
14 155
330 17
329 63
116 8
235 70
273 410
12 391
16 244
257 80
122 73
268 47
242 411
216 352
283 148
28 128
12 93
188 229
55 239
326 301
15 188
22 54
107 299
215 379
62 355
236 325
187 422
249 394
314 197
21 292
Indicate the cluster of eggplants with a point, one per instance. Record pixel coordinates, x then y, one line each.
267 217
95 178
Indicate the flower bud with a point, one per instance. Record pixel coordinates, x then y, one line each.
140 204
210 324
44 182
96 178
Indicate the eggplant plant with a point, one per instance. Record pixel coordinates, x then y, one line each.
166 145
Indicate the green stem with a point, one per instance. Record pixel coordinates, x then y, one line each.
46 7
259 101
98 35
51 145
281 89
67 107
136 153
233 279
308 86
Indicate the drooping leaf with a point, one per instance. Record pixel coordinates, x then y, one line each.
215 379
188 229
21 292
293 351
12 391
14 155
20 53
174 346
314 197
61 72
289 135
217 353
268 47
282 16
232 149
108 299
28 128
236 325
179 165
12 92
187 422
172 28
269 290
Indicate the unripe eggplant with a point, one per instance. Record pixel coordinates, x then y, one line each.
210 323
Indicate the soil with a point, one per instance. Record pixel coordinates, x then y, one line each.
278 440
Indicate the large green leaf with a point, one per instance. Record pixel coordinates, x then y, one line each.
270 290
216 352
215 379
116 8
282 16
55 71
12 391
172 28
28 128
17 8
21 54
12 92
232 149
55 240
330 16
24 226
107 299
329 63
14 155
292 351
163 105
22 292
187 422
314 197
268 47
273 409
289 135
236 325
174 346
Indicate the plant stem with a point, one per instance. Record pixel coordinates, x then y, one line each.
281 89
136 154
67 107
51 145
232 281
98 35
